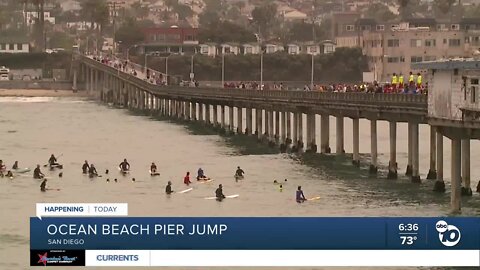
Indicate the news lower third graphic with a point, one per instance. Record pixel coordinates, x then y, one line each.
105 236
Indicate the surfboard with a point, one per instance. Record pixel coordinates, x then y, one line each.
153 174
313 199
185 191
122 171
25 170
239 177
205 181
226 197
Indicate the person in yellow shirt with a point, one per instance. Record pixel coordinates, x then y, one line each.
419 80
400 81
411 78
394 81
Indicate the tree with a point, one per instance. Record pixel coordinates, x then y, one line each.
301 31
139 10
130 32
207 18
224 31
473 12
60 40
404 9
264 16
379 12
95 11
183 11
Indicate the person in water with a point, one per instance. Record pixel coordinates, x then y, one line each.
15 165
52 161
200 175
85 167
300 198
239 172
37 173
9 174
43 185
219 193
168 188
153 168
186 179
92 171
2 167
124 166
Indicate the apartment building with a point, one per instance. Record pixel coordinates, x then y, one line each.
393 49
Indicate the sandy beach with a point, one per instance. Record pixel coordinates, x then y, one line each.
40 93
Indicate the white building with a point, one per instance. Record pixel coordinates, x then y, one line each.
14 45
229 48
327 46
454 89
252 48
294 15
81 26
273 48
208 49
31 17
312 49
293 48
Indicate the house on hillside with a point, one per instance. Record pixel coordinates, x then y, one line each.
173 39
31 16
229 48
327 46
14 44
311 48
208 49
251 48
293 48
273 48
294 15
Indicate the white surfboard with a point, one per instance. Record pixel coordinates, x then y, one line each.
122 171
313 199
185 191
153 174
25 170
205 181
226 197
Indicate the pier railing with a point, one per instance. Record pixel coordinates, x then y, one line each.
414 102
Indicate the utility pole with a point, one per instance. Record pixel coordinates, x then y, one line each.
113 5
314 44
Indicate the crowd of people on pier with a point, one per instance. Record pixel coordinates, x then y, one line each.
413 84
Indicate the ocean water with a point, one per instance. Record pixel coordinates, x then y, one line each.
78 129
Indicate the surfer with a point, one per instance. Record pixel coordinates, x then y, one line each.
85 167
9 174
153 168
37 174
52 161
201 175
239 172
299 195
186 179
92 171
43 185
219 193
15 165
2 168
124 166
168 188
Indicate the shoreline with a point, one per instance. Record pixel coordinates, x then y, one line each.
40 93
